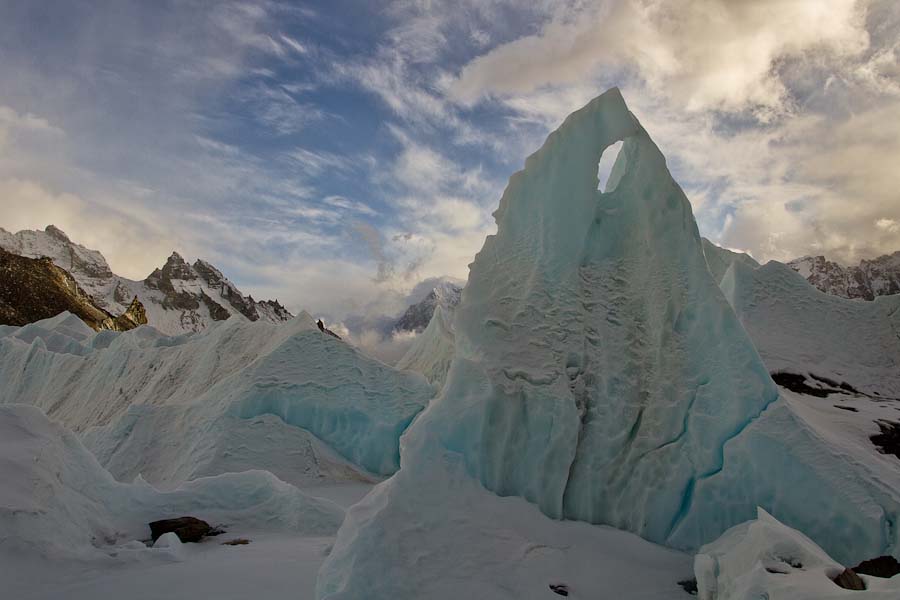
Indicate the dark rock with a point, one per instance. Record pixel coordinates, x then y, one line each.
850 408
32 289
883 566
560 588
188 529
236 542
689 585
888 441
849 580
797 383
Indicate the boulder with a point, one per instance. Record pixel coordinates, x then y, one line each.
188 529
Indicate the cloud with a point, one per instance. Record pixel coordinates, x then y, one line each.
132 248
707 54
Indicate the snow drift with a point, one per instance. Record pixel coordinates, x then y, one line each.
57 501
601 374
171 408
765 559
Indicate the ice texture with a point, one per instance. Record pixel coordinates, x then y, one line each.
171 408
601 374
718 259
764 558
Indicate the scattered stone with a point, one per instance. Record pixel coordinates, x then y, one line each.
850 408
188 529
689 585
883 566
888 441
559 588
849 580
236 542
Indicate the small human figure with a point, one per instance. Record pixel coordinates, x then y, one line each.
321 325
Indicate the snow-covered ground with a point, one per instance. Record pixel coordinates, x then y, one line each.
764 559
69 530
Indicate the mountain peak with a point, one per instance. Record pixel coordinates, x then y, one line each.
58 233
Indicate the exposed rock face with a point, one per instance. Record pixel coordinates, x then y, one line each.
131 318
416 318
32 289
876 277
176 298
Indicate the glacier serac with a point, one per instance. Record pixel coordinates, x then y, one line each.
431 351
175 408
601 374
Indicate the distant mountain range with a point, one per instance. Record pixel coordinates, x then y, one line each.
870 278
58 274
176 298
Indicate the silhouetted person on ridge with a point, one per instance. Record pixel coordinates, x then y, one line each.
321 325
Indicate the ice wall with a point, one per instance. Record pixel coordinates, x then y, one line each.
432 351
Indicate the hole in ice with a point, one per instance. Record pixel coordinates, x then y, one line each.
604 167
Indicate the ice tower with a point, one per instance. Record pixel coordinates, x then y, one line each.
600 373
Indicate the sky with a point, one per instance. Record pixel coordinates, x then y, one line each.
336 154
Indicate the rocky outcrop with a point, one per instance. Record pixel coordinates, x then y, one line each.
877 277
32 289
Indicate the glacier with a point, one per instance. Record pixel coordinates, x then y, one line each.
601 374
238 395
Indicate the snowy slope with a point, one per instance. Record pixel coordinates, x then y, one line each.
871 278
601 374
178 297
432 350
799 329
58 502
764 558
718 259
174 408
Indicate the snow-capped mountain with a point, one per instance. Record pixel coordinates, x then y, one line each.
178 297
445 294
32 289
876 277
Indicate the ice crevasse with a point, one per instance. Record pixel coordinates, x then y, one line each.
600 373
